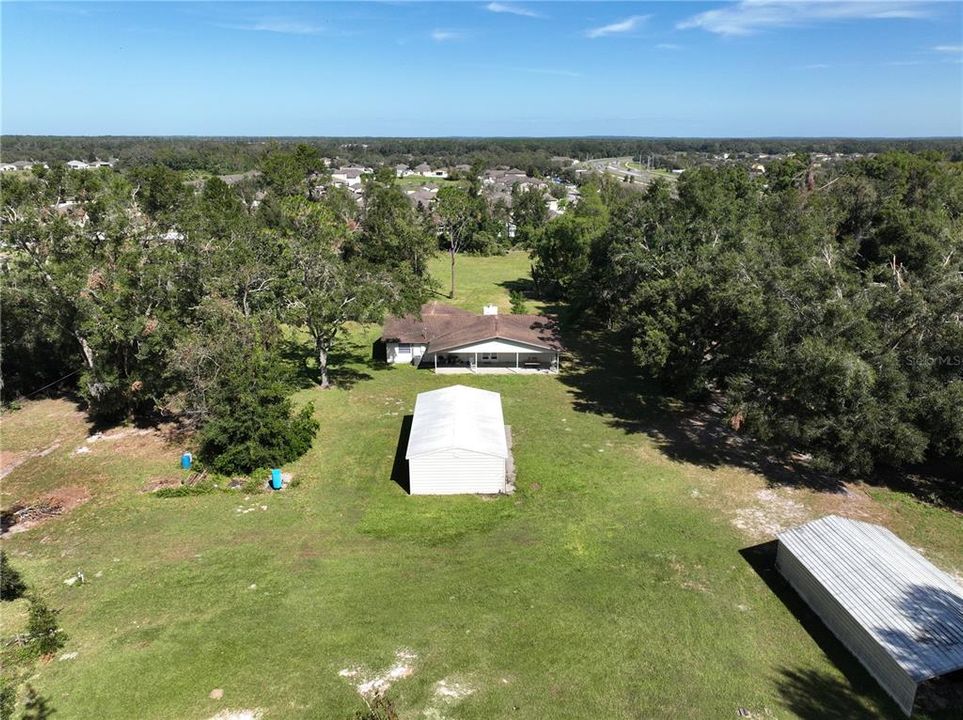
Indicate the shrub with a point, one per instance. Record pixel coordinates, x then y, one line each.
259 430
36 706
185 490
45 635
379 708
251 422
8 701
518 302
12 585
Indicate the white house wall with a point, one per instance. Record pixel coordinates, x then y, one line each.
403 353
456 472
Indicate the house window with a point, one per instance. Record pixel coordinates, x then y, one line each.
404 348
489 356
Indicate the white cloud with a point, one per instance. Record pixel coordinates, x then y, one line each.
668 46
286 27
950 49
446 35
750 16
623 26
497 7
816 66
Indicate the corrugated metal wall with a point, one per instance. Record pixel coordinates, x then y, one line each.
880 664
455 472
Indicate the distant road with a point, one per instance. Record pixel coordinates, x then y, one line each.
620 167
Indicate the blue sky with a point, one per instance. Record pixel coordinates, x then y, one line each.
755 68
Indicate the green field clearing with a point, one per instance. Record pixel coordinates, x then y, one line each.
482 280
611 585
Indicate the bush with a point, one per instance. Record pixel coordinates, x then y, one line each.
45 635
257 430
8 701
36 706
12 585
249 420
379 708
518 302
185 490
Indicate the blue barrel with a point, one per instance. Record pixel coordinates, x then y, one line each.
186 460
275 479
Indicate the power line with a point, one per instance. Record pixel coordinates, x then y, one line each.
53 383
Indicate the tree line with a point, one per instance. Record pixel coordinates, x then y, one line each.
824 311
534 155
153 299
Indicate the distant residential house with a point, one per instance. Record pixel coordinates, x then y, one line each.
422 169
424 196
77 165
18 165
402 170
349 176
449 339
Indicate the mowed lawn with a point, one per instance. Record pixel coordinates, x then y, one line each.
611 585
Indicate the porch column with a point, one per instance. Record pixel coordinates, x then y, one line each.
436 363
516 361
476 360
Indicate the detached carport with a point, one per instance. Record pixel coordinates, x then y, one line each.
897 613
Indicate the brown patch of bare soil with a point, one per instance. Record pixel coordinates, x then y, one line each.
25 515
158 483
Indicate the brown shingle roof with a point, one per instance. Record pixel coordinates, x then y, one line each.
443 328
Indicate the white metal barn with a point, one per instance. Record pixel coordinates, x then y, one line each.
457 443
896 612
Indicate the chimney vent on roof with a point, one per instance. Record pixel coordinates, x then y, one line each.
490 310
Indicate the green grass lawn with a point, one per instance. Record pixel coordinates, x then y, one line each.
482 280
611 585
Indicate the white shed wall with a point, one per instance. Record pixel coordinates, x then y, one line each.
880 664
453 472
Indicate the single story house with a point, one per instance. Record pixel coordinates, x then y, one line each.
449 339
898 614
458 443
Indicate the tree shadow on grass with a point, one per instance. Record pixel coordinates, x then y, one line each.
343 363
811 693
399 469
605 382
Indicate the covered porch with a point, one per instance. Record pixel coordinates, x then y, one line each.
502 360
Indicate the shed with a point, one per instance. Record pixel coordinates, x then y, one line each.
457 443
894 610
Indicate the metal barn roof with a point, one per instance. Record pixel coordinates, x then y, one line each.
458 418
910 607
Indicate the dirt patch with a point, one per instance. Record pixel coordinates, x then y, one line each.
771 512
10 461
158 483
368 683
447 693
25 515
247 714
